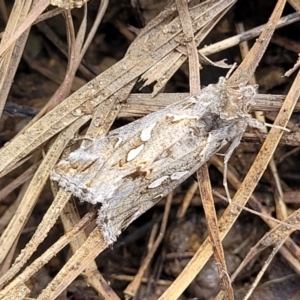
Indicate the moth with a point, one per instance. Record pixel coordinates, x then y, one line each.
131 168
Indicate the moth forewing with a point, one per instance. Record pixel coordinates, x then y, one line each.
132 167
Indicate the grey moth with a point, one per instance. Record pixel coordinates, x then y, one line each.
131 168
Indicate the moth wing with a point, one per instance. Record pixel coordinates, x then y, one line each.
134 196
78 173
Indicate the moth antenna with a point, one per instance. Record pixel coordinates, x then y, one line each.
225 183
231 70
228 154
277 126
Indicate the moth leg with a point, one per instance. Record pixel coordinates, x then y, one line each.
234 144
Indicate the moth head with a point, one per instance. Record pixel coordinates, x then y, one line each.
234 101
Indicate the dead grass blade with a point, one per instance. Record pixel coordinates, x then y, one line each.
14 228
132 289
10 62
293 248
18 181
212 225
203 175
92 247
47 255
70 220
36 11
277 235
31 18
77 49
